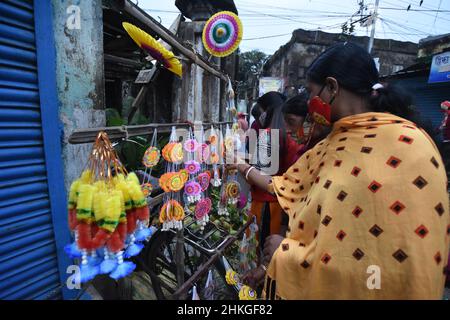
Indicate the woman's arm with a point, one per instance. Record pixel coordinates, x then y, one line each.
254 176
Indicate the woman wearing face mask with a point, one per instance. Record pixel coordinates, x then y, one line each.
265 206
368 206
295 112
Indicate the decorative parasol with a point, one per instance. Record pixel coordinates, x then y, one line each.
222 34
154 48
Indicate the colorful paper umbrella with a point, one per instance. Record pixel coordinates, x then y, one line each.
222 34
154 48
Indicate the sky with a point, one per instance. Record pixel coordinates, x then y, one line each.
268 24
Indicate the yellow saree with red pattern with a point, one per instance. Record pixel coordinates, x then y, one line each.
368 215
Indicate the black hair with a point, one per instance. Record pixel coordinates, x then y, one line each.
256 111
269 102
355 70
297 105
273 101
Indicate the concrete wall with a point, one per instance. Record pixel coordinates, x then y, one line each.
292 60
80 80
197 94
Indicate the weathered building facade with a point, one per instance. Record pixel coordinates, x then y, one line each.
292 60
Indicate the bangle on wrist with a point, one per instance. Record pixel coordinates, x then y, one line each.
248 172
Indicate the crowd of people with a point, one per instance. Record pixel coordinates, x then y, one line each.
359 208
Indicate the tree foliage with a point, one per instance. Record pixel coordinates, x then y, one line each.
250 66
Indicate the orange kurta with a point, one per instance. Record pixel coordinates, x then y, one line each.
368 215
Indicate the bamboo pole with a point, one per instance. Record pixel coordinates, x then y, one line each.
80 136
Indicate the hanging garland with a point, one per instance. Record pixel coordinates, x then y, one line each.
108 213
172 182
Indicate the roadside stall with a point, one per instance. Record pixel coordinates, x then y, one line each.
180 217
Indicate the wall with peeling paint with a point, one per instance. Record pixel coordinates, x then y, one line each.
80 77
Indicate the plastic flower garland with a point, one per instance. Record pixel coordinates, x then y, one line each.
107 214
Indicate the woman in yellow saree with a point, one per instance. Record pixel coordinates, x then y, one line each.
368 206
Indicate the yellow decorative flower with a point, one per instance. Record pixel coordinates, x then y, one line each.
247 293
154 48
232 277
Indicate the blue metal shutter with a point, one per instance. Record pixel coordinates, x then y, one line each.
427 97
28 260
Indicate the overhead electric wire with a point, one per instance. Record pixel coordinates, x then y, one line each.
437 13
405 8
266 37
416 10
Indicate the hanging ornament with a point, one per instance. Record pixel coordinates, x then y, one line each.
171 215
147 189
202 210
191 145
222 34
232 191
154 48
204 179
193 191
176 153
213 138
203 152
104 211
192 166
175 182
184 175
151 157
167 150
214 158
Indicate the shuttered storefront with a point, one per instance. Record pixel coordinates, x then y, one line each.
28 250
428 97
